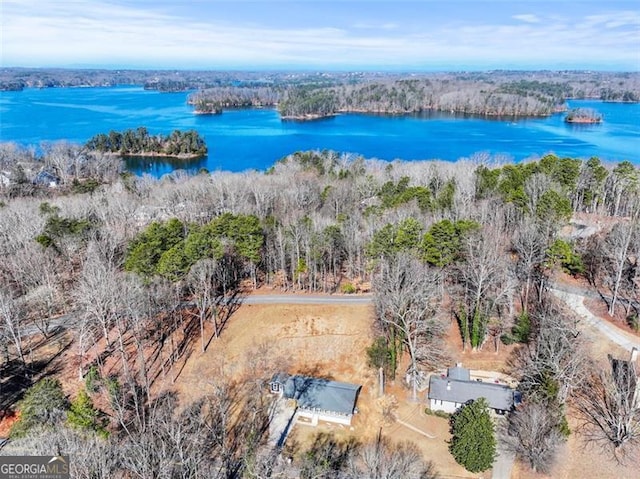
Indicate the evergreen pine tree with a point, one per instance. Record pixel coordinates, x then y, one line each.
473 444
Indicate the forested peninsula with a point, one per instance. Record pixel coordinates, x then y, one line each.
495 95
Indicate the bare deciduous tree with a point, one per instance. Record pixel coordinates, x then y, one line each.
553 362
202 282
12 322
532 433
488 285
609 404
618 246
406 299
529 243
383 460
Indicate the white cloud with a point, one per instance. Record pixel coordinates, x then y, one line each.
527 18
67 32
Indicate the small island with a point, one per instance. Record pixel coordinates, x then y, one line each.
583 116
138 142
204 107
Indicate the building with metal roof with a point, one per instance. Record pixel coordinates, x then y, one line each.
448 393
318 399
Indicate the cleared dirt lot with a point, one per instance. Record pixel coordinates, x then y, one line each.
327 341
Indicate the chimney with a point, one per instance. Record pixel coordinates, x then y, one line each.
634 355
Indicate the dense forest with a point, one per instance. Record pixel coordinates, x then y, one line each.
492 94
476 242
139 142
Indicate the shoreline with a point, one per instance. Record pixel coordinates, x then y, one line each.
426 111
148 154
584 121
214 112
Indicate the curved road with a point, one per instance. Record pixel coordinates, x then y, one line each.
575 301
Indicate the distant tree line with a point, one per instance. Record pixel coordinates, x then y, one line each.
492 94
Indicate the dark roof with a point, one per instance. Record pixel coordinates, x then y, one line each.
453 390
459 373
45 177
315 393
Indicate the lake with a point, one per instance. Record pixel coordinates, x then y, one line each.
255 138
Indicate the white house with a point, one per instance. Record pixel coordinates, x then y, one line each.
448 393
318 399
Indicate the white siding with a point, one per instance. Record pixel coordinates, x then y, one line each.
437 405
316 416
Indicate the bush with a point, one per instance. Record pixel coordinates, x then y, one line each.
522 329
44 405
83 415
507 339
92 379
634 322
442 414
348 288
563 253
378 353
87 186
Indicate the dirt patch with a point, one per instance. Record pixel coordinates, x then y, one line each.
436 449
325 341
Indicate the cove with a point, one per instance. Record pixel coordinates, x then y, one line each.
255 138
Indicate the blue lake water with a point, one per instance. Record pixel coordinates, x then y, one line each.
256 138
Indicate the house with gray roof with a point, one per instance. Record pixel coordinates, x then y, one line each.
318 399
448 393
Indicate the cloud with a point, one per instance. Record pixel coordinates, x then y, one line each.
527 18
376 26
66 32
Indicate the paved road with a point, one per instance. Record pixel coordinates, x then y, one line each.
576 302
503 464
589 293
61 322
306 299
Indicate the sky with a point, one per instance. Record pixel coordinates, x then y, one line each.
322 35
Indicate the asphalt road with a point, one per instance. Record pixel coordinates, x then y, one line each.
307 299
616 335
